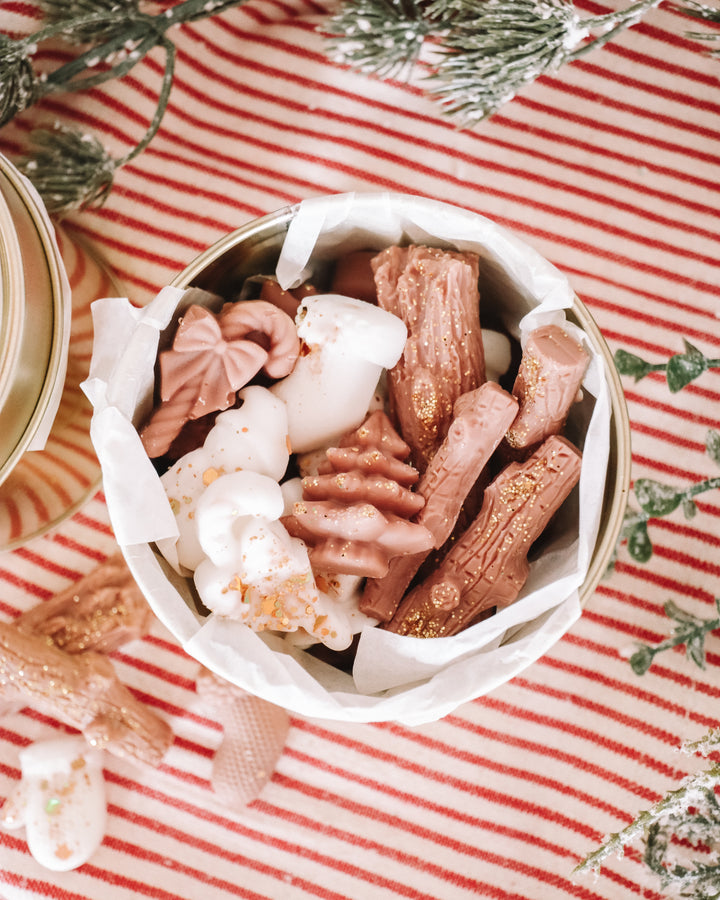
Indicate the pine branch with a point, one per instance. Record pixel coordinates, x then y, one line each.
383 37
685 821
487 50
491 52
72 170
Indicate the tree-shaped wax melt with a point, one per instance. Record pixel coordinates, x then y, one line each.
355 512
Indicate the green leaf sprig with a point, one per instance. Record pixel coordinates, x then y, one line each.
657 500
689 631
680 370
70 169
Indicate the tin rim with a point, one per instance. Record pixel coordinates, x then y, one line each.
262 237
11 289
30 215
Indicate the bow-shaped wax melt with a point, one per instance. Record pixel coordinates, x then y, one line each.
211 358
254 570
253 437
346 345
61 802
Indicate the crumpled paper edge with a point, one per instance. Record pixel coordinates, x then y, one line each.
447 671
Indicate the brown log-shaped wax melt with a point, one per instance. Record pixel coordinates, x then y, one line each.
481 418
435 293
551 370
100 612
353 276
488 566
287 301
81 690
355 514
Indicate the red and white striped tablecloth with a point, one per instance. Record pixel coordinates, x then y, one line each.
611 169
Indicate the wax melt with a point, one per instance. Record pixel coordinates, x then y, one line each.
60 801
386 414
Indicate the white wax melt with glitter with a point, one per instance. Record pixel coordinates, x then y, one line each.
254 571
253 437
61 802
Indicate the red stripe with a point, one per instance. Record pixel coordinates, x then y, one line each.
476 790
631 690
88 521
613 714
207 73
54 487
416 119
650 576
638 138
12 513
678 528
39 888
47 565
415 139
678 411
264 838
658 321
15 580
666 437
688 100
635 692
669 275
481 888
187 684
77 547
134 851
558 110
490 826
552 723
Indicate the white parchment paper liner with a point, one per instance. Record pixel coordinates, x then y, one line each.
394 677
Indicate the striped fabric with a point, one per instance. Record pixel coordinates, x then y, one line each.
611 169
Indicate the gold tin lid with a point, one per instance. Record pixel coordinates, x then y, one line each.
34 318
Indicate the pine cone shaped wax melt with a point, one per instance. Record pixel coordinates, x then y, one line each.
355 513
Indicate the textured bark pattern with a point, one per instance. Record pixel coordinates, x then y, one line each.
548 381
100 612
435 293
481 419
488 566
81 690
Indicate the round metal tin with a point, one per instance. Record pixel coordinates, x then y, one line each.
34 318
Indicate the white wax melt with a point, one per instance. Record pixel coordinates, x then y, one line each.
252 437
61 802
347 344
254 571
